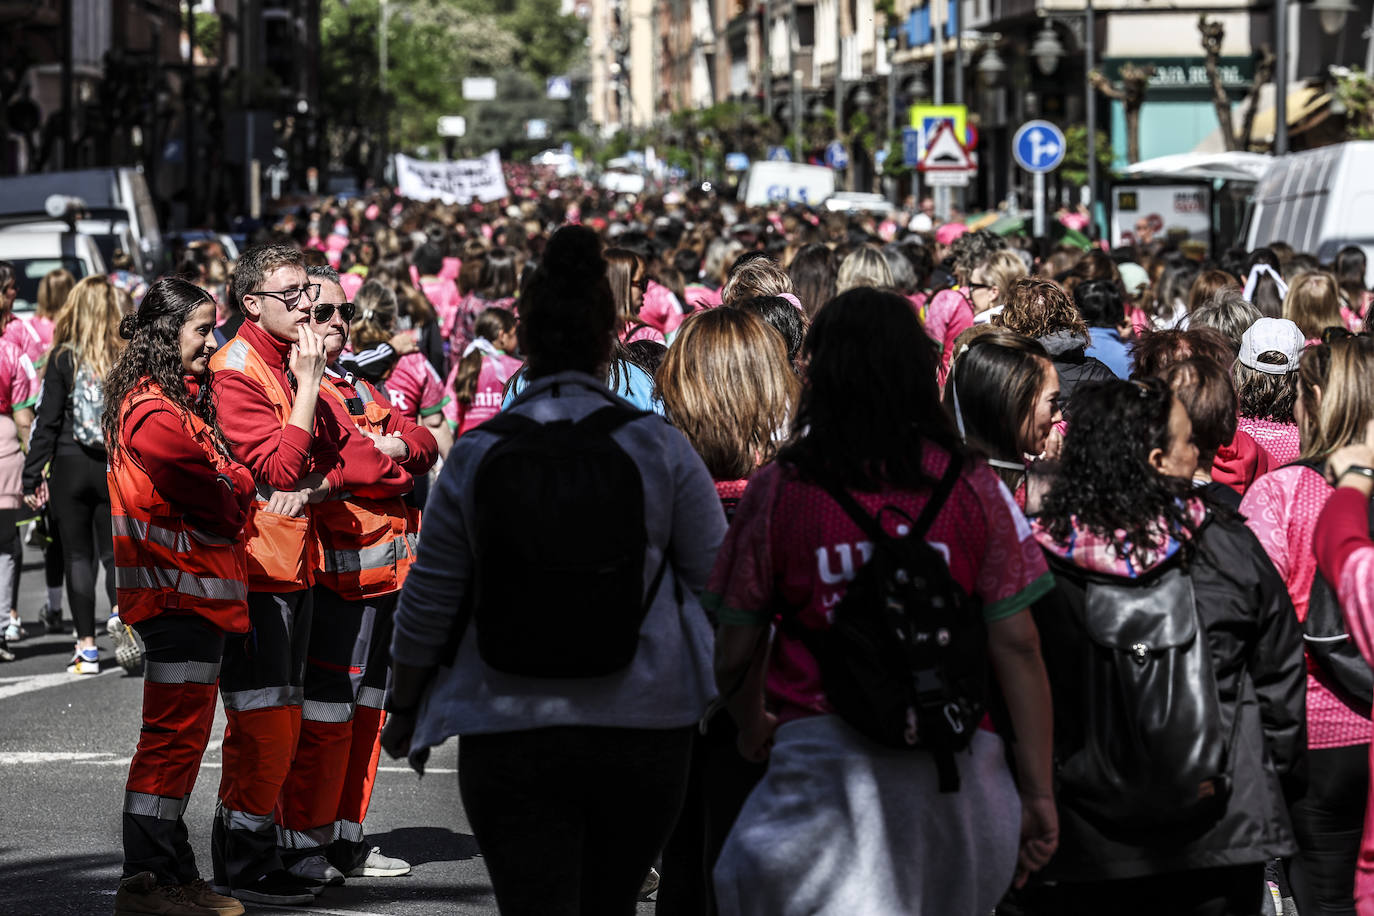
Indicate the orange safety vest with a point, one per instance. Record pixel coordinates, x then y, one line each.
279 547
366 545
162 562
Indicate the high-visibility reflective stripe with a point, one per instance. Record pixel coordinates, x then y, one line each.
322 711
242 820
181 672
182 582
413 539
350 831
371 697
378 556
305 839
124 527
236 356
262 698
158 806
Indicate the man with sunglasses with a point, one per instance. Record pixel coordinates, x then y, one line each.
267 381
366 544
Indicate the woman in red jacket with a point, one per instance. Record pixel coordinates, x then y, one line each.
179 504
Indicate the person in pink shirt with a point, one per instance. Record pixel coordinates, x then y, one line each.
1345 556
52 293
491 279
18 391
1282 508
477 383
416 390
1266 378
951 311
442 294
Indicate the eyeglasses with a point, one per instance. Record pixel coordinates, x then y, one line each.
974 287
325 311
290 297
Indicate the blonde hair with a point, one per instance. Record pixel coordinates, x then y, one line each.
1313 303
864 266
1002 269
1347 397
53 290
759 277
727 384
89 323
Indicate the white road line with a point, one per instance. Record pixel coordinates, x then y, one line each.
11 758
44 681
312 909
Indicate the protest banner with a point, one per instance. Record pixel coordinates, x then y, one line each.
457 181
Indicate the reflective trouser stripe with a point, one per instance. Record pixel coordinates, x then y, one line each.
158 806
372 697
181 672
263 698
349 831
124 527
322 711
313 838
242 820
378 556
206 587
413 541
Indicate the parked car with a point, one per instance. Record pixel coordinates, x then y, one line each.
35 253
114 203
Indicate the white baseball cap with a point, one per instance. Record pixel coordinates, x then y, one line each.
1278 335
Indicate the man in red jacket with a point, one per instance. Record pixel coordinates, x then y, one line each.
366 546
267 381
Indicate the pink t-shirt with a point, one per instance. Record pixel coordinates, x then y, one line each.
1281 508
486 400
443 295
660 308
350 283
450 269
1279 440
642 332
414 388
23 334
949 314
699 297
790 545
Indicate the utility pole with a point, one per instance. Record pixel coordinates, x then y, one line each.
68 122
1090 106
1280 77
796 80
767 45
189 116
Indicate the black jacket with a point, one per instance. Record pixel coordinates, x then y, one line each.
1252 630
1068 352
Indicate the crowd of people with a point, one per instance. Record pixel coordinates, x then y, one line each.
782 561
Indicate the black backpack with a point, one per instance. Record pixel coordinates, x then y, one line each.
1154 752
904 660
559 542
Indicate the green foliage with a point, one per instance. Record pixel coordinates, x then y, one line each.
209 34
432 46
1075 167
1354 89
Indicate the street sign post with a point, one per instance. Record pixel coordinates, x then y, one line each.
779 154
1038 147
911 147
453 126
945 164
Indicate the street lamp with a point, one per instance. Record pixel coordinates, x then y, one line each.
991 68
1332 14
1047 50
862 98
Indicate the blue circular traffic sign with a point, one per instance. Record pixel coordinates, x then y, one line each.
836 156
1038 146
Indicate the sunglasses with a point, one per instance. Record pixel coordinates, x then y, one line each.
325 311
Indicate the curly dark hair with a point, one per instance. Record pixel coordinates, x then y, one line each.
154 355
1106 483
868 347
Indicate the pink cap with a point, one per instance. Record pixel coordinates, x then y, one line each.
947 233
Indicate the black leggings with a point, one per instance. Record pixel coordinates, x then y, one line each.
570 818
1328 822
80 502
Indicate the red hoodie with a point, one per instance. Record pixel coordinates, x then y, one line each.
1239 464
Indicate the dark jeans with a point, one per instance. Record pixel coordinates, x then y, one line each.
569 819
1236 890
1328 822
80 503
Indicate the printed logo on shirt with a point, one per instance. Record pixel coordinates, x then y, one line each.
835 564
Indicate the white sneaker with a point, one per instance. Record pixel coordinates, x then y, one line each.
379 866
113 625
128 647
86 661
650 884
316 872
14 630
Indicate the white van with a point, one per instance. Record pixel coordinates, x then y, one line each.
1318 201
116 201
34 254
773 182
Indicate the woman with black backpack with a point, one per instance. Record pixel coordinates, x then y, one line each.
1177 672
551 617
879 799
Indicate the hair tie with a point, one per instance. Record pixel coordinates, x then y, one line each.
1252 281
792 299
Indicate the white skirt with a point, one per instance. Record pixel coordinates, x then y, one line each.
840 825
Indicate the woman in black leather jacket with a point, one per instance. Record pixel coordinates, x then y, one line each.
1167 802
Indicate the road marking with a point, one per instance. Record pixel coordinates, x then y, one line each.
12 758
44 681
312 909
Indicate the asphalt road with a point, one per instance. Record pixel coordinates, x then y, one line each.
65 744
